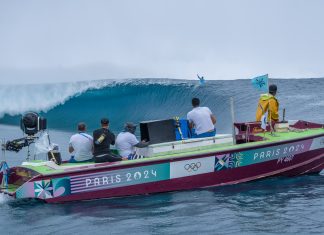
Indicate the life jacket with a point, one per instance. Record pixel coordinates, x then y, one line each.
268 102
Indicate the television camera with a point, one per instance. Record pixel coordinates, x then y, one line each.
31 124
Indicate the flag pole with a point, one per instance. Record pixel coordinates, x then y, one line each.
269 110
233 120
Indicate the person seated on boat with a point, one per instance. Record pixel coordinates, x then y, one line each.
202 119
81 145
126 142
102 139
268 103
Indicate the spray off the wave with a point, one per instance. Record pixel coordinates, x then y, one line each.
39 97
4 198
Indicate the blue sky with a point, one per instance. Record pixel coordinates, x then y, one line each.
60 40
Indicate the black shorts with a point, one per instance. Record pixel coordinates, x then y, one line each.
107 157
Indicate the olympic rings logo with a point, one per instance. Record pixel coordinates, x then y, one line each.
192 166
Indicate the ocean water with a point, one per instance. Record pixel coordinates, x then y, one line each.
271 206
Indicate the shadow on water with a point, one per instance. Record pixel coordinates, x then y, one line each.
278 190
279 202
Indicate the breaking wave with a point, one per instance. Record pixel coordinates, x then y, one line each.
17 99
65 104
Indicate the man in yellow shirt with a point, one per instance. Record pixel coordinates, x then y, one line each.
268 102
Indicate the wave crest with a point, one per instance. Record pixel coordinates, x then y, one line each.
17 99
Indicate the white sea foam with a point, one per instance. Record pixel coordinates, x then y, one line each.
4 198
17 99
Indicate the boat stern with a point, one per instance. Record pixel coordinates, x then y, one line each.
14 182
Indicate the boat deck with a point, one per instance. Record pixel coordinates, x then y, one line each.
47 168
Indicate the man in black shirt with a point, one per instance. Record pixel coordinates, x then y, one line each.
102 139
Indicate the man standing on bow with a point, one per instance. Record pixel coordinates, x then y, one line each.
268 102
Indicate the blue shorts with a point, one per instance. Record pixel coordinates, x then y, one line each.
72 160
205 134
133 156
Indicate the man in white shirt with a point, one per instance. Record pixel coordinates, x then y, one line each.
81 145
126 141
202 119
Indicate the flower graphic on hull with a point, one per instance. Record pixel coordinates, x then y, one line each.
43 189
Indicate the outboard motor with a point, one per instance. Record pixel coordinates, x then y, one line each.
31 123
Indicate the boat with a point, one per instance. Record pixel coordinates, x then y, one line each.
290 148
